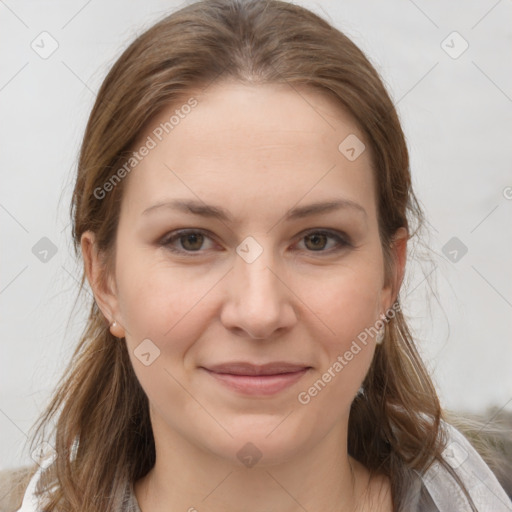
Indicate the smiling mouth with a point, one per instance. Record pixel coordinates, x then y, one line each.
262 380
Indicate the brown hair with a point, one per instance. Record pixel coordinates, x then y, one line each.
103 433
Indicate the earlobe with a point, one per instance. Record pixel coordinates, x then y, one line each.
97 276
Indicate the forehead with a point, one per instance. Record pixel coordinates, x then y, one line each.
251 146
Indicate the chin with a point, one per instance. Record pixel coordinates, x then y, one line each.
262 442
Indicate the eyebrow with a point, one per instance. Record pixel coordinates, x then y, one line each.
217 212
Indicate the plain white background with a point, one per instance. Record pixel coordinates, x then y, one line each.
455 104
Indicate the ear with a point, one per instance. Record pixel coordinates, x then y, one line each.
398 251
102 284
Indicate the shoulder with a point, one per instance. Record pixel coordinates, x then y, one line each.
474 473
13 484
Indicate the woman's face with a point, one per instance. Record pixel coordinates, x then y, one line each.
261 277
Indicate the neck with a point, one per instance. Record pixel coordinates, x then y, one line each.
185 477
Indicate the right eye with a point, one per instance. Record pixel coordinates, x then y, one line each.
189 241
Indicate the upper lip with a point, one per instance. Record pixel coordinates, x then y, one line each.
243 368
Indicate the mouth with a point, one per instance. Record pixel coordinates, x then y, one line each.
262 380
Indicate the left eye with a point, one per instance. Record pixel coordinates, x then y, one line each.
317 241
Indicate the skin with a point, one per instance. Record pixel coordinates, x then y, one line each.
257 151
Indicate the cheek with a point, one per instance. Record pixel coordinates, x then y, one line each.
330 390
348 306
347 301
165 305
157 300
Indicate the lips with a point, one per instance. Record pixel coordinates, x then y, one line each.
257 380
243 368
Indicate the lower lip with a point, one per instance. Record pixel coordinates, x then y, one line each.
258 384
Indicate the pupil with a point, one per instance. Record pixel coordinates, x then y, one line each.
196 239
315 239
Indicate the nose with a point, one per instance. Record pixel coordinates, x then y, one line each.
259 301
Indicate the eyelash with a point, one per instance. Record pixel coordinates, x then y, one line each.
342 241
